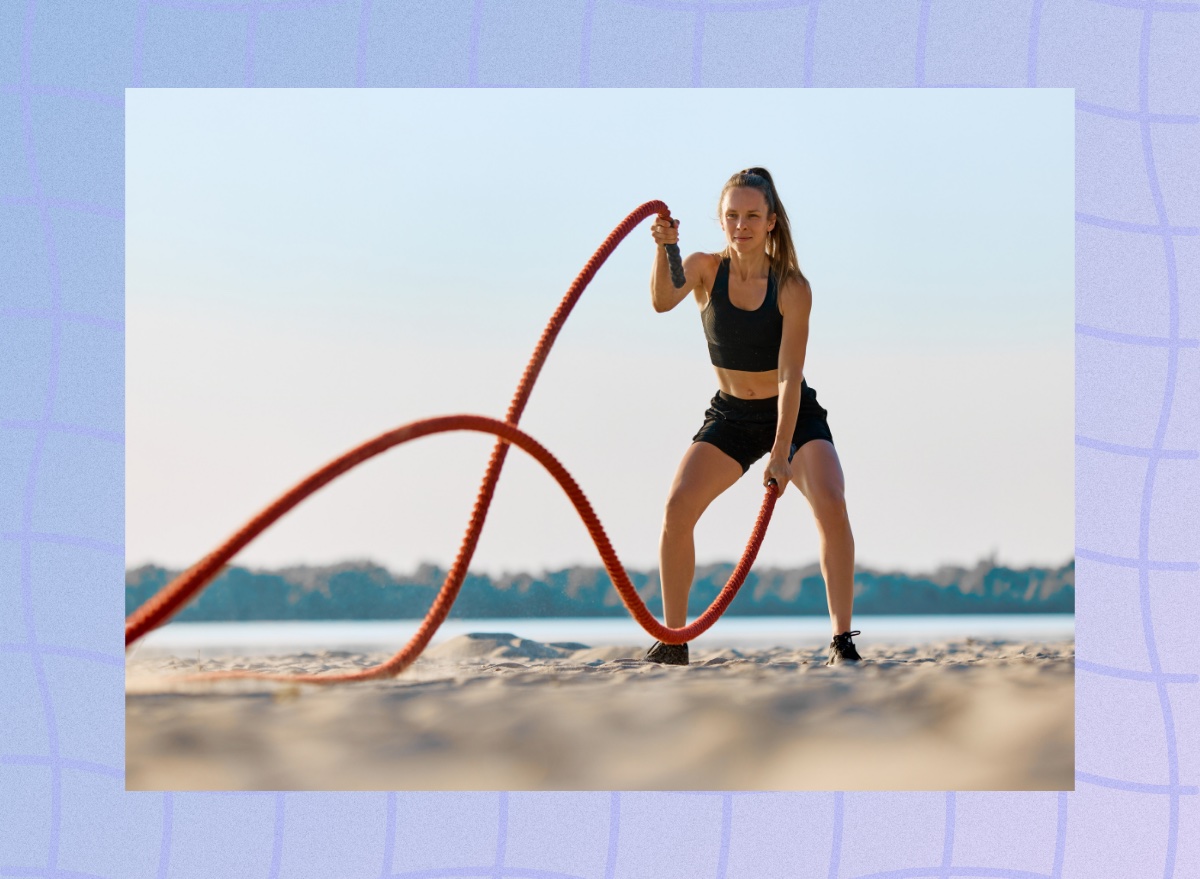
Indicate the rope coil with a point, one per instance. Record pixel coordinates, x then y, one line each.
171 598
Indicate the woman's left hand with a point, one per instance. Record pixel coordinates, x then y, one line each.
780 470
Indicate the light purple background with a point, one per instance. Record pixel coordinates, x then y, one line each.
63 808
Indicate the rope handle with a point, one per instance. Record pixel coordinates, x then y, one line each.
676 261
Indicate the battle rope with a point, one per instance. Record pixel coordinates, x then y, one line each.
169 600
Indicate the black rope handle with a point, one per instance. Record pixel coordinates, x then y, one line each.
676 261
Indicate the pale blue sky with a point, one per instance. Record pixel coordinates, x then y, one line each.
306 269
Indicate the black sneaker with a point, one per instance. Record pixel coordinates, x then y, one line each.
668 654
841 649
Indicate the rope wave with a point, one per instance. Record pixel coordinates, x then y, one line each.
172 597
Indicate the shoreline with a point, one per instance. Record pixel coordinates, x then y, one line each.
296 636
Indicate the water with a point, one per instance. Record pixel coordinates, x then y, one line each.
742 632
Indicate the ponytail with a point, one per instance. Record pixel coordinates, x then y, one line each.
780 249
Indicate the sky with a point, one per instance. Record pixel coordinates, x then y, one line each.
307 269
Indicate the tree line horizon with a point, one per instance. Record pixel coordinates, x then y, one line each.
364 590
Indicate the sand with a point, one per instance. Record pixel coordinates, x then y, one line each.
496 712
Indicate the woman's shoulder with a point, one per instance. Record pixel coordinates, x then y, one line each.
708 264
795 291
797 282
710 261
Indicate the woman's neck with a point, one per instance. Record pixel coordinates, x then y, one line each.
747 266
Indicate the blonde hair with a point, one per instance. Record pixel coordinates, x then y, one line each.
780 249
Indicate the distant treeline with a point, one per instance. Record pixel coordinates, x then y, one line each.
365 591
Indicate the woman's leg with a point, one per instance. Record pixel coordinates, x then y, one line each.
817 472
703 474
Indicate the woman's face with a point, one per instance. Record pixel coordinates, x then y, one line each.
745 220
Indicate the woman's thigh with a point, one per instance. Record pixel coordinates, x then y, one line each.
817 472
703 474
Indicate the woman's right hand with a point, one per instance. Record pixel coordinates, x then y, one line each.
664 295
665 232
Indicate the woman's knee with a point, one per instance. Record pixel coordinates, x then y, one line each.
683 510
828 502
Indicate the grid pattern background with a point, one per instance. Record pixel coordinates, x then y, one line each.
63 70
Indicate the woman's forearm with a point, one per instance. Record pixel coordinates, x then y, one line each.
789 409
662 288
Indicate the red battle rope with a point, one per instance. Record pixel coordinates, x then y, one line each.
176 594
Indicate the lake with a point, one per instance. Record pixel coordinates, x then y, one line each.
730 631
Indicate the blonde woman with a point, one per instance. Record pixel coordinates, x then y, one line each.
754 302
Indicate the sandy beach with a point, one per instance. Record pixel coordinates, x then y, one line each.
491 711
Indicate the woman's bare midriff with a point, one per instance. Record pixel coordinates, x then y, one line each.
748 385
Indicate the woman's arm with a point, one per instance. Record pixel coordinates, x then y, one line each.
795 299
664 295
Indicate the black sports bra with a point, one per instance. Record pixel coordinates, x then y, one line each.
741 339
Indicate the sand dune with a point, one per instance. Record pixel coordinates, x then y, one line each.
496 711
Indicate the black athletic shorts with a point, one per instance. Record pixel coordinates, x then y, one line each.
745 429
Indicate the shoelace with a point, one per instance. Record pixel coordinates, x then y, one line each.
845 637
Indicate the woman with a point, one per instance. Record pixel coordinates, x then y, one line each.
754 303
